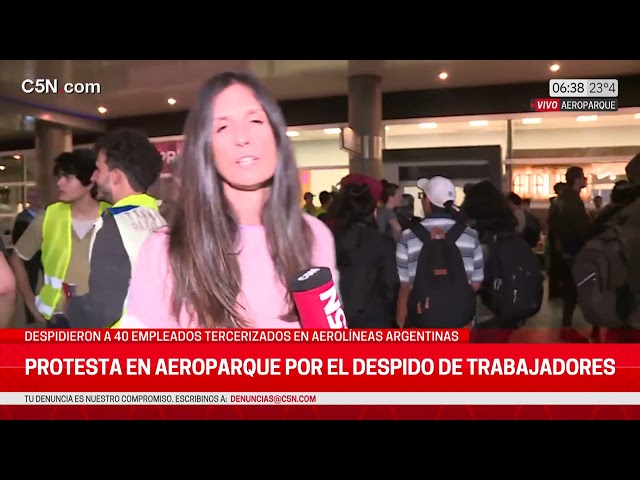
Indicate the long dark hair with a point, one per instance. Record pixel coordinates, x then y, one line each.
488 208
204 237
388 191
353 204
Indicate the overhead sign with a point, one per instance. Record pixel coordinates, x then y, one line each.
350 141
169 150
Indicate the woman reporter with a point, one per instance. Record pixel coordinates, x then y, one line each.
238 235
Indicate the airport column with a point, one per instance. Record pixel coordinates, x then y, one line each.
51 141
365 118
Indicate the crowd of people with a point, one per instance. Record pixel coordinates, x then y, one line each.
378 251
222 250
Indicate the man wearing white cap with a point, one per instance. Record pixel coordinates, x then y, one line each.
438 197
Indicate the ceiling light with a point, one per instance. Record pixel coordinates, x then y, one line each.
443 76
2 167
479 123
171 101
637 116
292 133
102 110
428 125
17 157
555 67
531 121
332 131
587 118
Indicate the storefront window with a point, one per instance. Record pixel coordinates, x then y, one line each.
544 147
537 182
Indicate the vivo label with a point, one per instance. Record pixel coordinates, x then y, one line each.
549 105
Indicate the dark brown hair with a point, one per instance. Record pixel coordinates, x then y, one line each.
204 237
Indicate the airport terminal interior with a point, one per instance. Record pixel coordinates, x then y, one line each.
414 118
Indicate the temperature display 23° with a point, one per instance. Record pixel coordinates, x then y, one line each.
599 88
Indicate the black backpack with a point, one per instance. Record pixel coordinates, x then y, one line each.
513 286
441 296
601 272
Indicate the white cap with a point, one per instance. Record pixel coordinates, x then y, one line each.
439 190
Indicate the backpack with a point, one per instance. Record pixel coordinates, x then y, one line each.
601 272
355 269
441 296
513 287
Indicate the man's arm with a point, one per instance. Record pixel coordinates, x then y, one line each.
402 263
108 282
478 266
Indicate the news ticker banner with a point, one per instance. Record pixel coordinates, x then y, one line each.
320 374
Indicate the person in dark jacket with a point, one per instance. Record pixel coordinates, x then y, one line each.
623 194
571 224
365 259
33 266
552 243
490 214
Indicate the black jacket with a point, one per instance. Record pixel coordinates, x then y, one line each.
369 281
108 281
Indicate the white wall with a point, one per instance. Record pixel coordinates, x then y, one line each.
328 153
448 140
324 179
320 153
576 137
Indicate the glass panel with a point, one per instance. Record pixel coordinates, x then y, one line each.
12 168
11 203
11 199
31 165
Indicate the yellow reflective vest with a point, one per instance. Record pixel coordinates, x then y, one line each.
137 216
56 255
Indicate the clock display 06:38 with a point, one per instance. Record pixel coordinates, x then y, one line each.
559 88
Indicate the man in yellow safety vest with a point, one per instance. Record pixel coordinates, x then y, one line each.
63 234
127 165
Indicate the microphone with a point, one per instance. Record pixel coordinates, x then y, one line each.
316 298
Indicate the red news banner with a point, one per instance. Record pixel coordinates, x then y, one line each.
48 373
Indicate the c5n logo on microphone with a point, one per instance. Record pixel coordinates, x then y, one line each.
333 308
308 274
